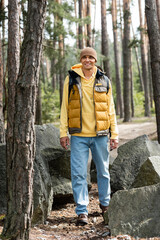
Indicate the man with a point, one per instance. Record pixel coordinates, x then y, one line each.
88 113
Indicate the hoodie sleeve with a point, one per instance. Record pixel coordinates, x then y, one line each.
112 115
64 110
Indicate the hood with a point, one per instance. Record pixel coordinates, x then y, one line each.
78 69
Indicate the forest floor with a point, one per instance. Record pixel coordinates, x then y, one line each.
61 224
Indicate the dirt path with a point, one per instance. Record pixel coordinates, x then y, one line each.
128 131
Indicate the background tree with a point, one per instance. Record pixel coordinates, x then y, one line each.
126 61
104 37
89 30
80 26
119 101
144 63
135 46
20 173
158 11
61 53
2 129
154 41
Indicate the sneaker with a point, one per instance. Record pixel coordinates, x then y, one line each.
82 220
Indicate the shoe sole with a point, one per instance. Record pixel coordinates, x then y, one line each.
81 223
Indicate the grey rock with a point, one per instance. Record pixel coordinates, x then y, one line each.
135 212
51 163
130 158
3 191
62 186
51 160
149 173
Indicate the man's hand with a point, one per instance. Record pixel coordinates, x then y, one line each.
64 141
113 144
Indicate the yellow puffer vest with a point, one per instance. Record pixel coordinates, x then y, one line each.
100 90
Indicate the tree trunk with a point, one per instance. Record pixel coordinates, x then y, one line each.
61 72
144 64
126 62
61 58
53 73
138 64
80 27
158 12
105 46
89 30
94 23
2 9
150 78
20 162
119 101
154 41
13 69
120 7
132 88
38 119
75 10
54 60
2 129
3 58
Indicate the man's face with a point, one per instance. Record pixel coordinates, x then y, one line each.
88 62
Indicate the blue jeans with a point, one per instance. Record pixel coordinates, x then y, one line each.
79 161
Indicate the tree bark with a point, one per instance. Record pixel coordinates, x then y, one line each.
61 72
53 63
132 88
119 101
154 41
144 64
2 129
54 60
20 162
13 69
150 78
80 27
89 30
38 119
75 10
126 62
61 58
105 46
120 8
94 23
2 9
158 12
138 64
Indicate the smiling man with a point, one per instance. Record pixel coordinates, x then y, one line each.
88 114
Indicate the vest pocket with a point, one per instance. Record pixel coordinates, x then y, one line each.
100 89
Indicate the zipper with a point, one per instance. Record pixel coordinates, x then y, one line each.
80 95
94 105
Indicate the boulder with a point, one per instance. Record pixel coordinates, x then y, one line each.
131 156
3 192
149 173
51 160
62 189
51 165
135 212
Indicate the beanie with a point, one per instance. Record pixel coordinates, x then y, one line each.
88 51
